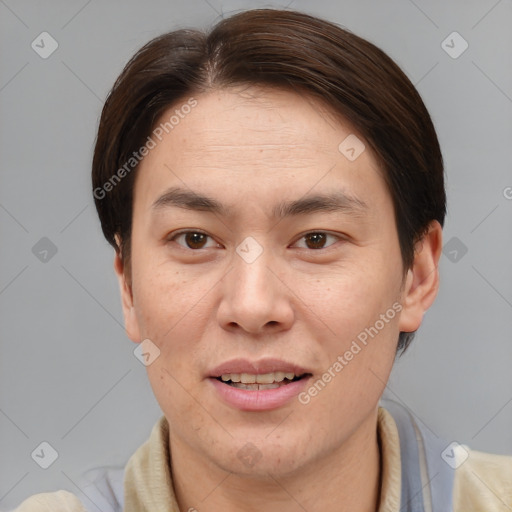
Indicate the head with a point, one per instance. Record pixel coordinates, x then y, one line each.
274 192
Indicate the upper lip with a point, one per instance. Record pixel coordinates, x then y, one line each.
258 367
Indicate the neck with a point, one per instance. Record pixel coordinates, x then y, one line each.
346 479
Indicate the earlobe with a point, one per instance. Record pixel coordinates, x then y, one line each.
422 281
130 317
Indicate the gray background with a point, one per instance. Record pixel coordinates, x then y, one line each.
68 375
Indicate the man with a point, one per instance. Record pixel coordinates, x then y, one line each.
274 193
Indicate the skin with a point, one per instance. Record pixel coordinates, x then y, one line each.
250 149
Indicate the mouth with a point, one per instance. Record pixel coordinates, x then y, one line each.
258 385
259 382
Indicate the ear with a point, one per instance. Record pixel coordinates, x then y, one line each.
130 318
422 281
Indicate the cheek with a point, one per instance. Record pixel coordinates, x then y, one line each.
176 398
172 310
163 298
350 299
360 310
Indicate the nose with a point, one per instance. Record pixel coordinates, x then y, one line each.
255 297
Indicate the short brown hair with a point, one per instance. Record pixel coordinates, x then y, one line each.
293 51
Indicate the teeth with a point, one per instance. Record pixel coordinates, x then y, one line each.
247 378
279 376
233 377
255 387
265 378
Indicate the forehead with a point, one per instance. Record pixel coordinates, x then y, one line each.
257 142
260 122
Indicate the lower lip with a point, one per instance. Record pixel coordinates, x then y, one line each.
259 400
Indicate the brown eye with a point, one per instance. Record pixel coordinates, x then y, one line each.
195 240
192 239
315 240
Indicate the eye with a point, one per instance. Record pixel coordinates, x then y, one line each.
317 239
193 239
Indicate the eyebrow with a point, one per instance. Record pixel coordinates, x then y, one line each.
337 201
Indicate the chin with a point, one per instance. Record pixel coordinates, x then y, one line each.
258 457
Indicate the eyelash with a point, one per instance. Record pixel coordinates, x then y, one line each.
173 237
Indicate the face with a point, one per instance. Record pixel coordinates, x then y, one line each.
276 301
